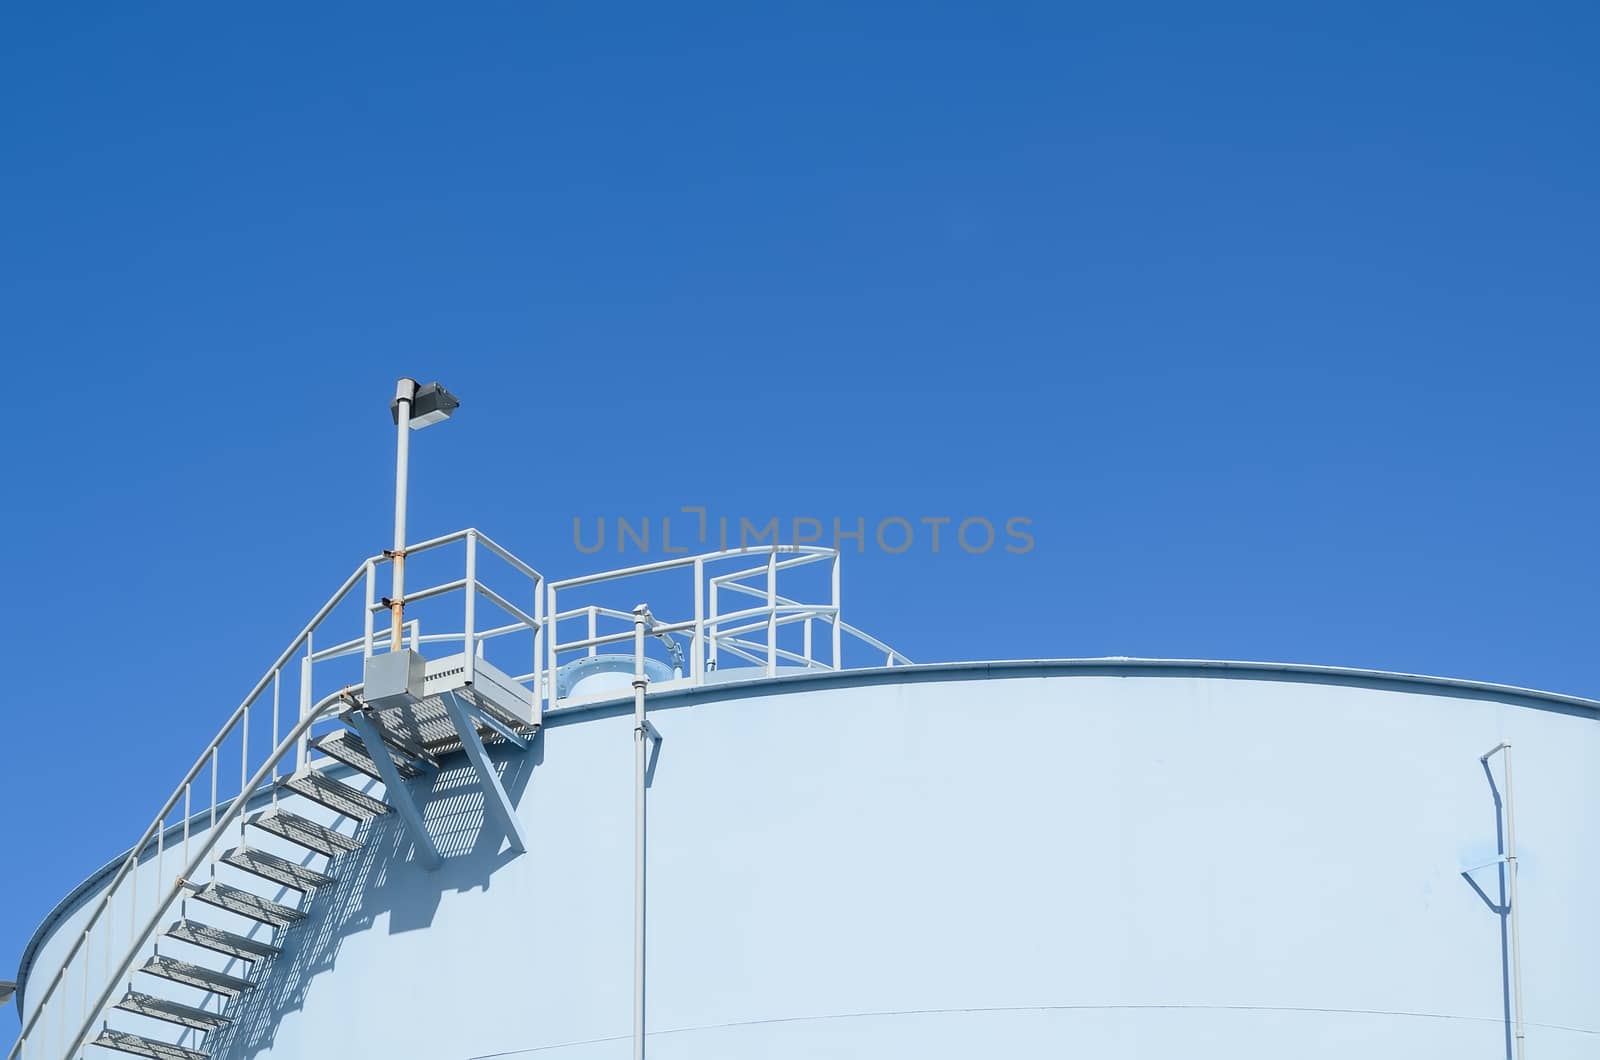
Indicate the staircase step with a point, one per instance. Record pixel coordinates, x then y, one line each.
122 1041
278 870
341 798
244 903
160 1008
347 747
309 834
197 975
219 941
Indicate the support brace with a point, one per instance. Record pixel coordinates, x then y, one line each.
396 793
495 800
510 735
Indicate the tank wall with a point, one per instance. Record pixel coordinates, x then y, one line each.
1123 864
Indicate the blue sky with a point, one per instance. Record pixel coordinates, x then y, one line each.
1278 324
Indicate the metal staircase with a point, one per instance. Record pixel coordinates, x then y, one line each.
259 870
193 915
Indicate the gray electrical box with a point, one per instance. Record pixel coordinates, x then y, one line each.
393 679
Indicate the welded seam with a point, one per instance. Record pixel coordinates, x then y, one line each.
1132 1006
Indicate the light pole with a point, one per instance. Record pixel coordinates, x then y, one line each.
414 407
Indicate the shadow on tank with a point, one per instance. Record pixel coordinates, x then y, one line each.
472 844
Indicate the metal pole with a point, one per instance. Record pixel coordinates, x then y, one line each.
405 390
641 615
1504 749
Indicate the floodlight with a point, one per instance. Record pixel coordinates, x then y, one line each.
431 404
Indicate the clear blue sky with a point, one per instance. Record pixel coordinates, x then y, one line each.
1280 325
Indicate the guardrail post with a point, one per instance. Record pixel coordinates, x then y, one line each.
772 613
551 640
301 751
838 637
697 665
470 609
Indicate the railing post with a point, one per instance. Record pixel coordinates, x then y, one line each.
712 636
772 613
538 652
838 633
470 608
276 674
550 641
300 752
594 628
244 767
697 666
367 628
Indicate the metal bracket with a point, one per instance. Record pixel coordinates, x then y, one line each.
507 733
495 800
395 791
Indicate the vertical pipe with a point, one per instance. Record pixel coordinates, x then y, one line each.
838 661
470 607
639 762
404 392
1516 908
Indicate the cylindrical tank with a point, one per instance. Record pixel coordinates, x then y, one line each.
1118 858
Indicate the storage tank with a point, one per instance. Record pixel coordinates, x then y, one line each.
845 854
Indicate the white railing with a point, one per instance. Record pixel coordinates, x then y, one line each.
309 683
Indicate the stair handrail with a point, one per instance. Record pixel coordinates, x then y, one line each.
156 826
215 834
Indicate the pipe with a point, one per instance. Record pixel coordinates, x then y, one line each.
1504 748
405 391
641 617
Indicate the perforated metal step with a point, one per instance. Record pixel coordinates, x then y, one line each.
219 941
349 748
309 834
340 798
242 902
196 975
160 1008
124 1042
278 870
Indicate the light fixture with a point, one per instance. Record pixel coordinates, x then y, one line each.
6 990
430 404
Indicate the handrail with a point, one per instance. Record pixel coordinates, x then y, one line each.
172 801
708 629
214 836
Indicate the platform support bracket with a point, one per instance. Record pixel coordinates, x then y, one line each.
396 793
495 799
